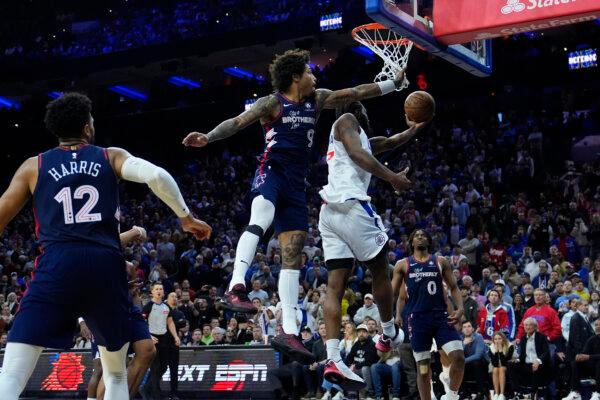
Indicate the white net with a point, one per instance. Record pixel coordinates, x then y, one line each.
390 46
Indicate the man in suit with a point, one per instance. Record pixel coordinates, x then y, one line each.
586 363
580 330
534 365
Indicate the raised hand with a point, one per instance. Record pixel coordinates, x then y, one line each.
195 139
400 181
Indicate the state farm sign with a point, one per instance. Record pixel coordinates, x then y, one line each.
461 21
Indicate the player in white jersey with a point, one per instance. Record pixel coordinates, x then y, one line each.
350 228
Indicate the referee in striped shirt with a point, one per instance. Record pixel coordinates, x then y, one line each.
162 329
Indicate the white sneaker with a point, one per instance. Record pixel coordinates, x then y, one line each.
445 381
450 397
501 397
495 397
595 396
338 396
326 395
572 396
395 398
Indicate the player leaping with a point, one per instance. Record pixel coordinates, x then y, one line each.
76 204
350 229
428 317
288 117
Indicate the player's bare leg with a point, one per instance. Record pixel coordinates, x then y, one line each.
93 384
457 369
384 297
291 244
445 374
424 379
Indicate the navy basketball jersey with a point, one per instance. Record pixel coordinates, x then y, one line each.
424 285
76 198
289 137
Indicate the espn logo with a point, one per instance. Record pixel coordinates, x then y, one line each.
239 372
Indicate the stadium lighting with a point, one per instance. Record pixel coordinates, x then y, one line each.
6 103
184 82
128 92
248 103
242 73
365 52
54 95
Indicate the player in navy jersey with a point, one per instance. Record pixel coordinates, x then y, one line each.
288 117
426 311
81 271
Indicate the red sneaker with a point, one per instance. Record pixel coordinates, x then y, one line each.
290 345
385 343
339 374
237 300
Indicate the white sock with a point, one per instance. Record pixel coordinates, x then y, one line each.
446 370
452 395
114 372
389 329
91 398
288 293
333 350
262 213
19 362
244 254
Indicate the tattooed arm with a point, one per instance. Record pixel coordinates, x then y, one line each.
326 98
265 108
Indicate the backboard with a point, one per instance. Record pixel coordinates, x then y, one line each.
414 20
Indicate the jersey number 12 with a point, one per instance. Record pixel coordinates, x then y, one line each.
64 197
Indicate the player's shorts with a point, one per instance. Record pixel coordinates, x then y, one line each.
72 281
288 196
351 230
139 331
423 327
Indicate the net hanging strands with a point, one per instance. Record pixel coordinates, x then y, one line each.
390 46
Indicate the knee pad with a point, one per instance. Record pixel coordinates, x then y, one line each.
256 230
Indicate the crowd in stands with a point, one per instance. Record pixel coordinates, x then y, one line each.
524 244
135 24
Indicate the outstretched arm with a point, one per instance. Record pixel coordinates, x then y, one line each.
18 192
381 144
135 233
448 276
162 185
264 108
399 288
347 131
334 98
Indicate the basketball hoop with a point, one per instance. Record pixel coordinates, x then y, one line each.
390 46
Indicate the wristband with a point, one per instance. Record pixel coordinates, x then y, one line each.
386 87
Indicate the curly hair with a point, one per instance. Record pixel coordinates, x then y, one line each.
67 116
285 66
427 235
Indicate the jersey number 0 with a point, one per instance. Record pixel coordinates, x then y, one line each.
84 215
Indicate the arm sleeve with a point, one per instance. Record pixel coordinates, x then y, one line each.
158 180
512 329
147 309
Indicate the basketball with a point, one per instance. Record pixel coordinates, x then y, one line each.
419 106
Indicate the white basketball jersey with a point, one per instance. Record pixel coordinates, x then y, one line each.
346 179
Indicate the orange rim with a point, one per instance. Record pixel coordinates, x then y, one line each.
374 26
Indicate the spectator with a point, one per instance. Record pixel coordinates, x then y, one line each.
475 356
196 339
369 309
533 267
528 297
470 246
166 252
519 308
350 337
207 337
506 303
307 338
547 322
388 368
258 293
316 275
493 317
542 279
470 306
257 336
587 363
218 335
313 374
362 355
500 352
534 364
265 278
